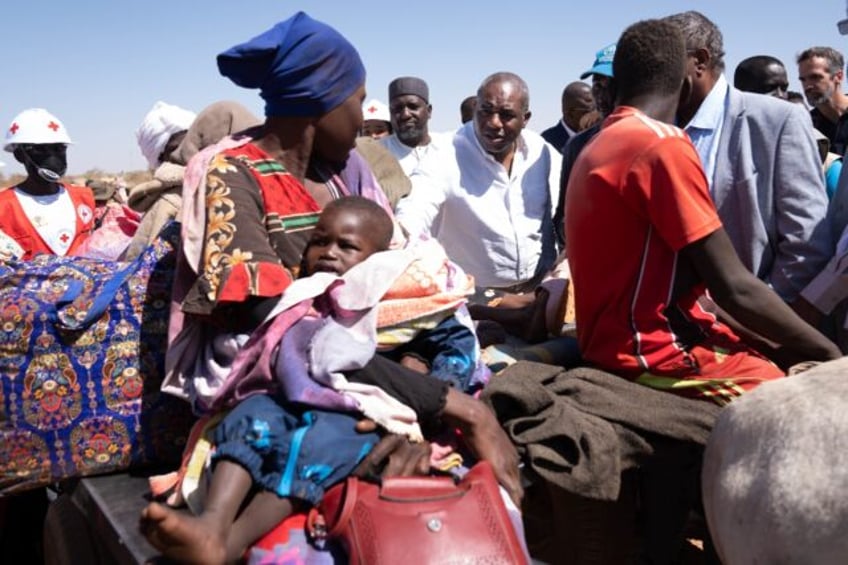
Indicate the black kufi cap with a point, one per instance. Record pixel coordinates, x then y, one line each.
409 85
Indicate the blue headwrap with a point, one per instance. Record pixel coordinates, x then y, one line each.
302 67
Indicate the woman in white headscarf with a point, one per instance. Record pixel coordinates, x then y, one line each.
160 199
161 131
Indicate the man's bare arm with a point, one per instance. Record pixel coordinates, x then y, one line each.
751 302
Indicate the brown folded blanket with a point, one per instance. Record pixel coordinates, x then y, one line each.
579 429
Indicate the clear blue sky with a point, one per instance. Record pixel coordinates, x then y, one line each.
99 65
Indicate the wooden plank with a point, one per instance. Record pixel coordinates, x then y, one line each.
113 504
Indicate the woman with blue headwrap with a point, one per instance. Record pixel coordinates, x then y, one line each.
245 227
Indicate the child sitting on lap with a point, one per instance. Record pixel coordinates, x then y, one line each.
286 451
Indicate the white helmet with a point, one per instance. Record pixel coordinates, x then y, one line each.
35 125
375 110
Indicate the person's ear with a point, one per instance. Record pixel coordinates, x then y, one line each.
839 76
527 115
703 59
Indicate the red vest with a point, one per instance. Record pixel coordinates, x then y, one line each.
15 223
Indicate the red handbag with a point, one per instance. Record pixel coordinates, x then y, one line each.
421 520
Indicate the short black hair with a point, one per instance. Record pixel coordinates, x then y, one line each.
750 76
794 96
508 78
466 108
650 58
380 225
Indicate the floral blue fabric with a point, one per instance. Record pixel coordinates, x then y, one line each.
82 348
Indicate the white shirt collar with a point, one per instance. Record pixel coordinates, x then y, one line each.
571 133
520 144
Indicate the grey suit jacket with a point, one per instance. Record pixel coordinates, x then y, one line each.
838 211
769 190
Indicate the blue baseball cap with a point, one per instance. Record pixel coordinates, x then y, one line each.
603 62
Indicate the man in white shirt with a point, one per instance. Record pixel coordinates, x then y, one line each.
487 197
410 111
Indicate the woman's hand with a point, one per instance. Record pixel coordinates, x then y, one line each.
486 439
394 455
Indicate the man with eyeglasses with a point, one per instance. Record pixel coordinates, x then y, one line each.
43 214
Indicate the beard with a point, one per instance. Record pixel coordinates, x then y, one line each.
410 136
817 99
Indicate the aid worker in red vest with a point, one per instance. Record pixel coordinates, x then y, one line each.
42 214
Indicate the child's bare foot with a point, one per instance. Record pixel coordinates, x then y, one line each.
182 537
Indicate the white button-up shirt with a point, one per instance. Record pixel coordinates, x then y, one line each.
494 224
410 157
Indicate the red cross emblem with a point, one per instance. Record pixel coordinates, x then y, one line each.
14 129
371 109
53 125
64 238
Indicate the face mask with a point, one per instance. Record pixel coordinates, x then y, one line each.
50 163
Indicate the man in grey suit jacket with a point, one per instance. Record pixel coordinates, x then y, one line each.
762 164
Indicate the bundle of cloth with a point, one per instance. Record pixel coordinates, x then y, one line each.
115 222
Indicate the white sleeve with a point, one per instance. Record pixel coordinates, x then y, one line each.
417 211
553 178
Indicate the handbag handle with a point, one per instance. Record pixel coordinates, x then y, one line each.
420 489
397 489
351 491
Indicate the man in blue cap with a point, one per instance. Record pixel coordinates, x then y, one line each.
604 94
601 73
